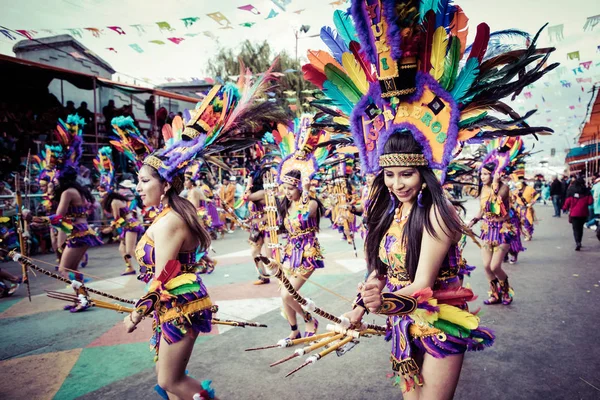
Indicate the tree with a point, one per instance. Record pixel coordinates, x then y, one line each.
258 57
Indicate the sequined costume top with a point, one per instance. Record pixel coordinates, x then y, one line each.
302 251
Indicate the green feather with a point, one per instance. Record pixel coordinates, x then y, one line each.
451 329
471 120
338 98
344 26
465 79
343 83
187 288
451 65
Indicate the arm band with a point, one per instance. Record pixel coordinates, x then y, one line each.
396 304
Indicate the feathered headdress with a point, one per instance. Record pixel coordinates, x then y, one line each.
105 167
298 146
130 141
406 75
68 152
230 118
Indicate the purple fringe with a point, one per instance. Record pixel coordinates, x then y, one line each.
90 240
394 38
494 235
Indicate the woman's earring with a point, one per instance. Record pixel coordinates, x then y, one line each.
420 196
161 206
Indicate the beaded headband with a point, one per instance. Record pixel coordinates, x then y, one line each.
291 180
402 160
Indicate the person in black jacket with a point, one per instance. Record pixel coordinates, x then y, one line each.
564 184
556 195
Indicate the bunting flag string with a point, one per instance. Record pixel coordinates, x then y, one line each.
591 23
273 14
164 26
94 31
250 8
574 55
189 21
586 64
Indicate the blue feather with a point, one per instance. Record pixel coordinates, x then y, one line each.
338 98
344 26
465 79
445 10
334 42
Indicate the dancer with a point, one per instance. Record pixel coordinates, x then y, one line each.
411 105
177 298
255 195
524 197
497 232
126 227
300 214
74 202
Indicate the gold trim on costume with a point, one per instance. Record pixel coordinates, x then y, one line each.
290 180
153 161
192 307
402 160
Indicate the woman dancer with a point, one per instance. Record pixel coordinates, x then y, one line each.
255 194
301 215
497 232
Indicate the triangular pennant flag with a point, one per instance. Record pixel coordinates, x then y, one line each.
555 33
274 13
94 31
574 55
300 11
26 33
157 41
136 47
219 18
591 22
209 34
117 29
281 3
247 24
111 49
191 34
189 21
139 28
75 32
164 26
250 8
8 35
176 40
586 64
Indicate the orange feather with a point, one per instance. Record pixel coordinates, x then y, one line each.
459 28
320 59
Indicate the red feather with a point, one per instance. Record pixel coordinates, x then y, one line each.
480 44
459 28
365 65
429 27
313 75
170 271
454 296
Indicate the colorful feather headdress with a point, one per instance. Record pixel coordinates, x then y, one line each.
299 149
406 75
68 152
130 141
230 118
105 167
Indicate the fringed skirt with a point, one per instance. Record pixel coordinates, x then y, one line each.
132 225
190 310
516 246
212 216
83 235
497 233
440 339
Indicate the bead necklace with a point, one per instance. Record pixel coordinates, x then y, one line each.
398 217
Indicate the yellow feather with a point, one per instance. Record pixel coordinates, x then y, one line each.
341 120
355 72
438 52
458 316
182 279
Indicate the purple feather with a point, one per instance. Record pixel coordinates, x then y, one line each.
334 42
362 24
393 30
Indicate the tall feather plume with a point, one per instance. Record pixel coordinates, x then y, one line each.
429 27
361 59
459 27
339 99
313 75
319 59
334 42
465 79
480 44
438 53
355 72
452 62
344 26
343 83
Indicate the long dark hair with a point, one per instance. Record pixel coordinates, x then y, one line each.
578 187
184 208
258 179
381 210
283 205
108 199
68 180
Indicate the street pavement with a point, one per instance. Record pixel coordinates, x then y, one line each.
547 344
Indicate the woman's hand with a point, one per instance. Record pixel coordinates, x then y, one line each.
131 321
371 292
355 316
106 231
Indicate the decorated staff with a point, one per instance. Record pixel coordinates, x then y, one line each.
21 232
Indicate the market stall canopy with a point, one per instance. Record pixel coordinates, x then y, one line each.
591 129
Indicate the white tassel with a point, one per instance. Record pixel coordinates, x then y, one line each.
300 352
83 300
16 257
312 359
76 284
309 306
345 322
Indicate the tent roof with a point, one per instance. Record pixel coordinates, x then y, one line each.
591 129
16 71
